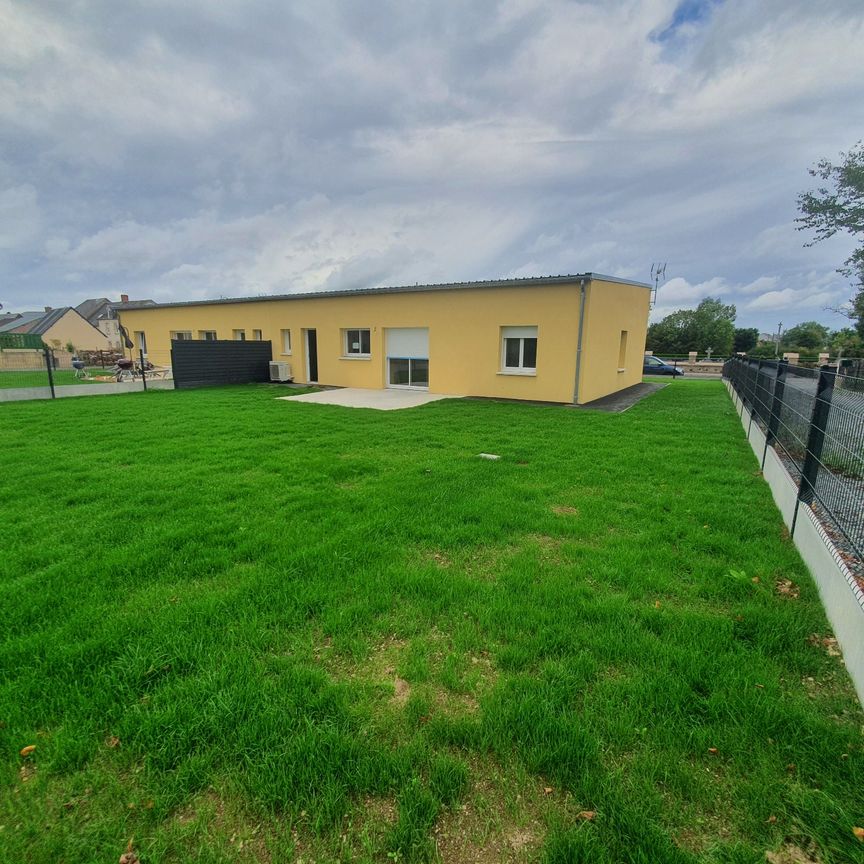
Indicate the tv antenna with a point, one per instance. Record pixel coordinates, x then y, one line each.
658 273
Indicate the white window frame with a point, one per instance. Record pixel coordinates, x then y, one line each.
286 342
141 341
348 351
520 333
205 336
239 335
257 336
181 335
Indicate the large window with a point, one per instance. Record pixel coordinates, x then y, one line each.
357 343
239 335
256 336
286 341
519 350
207 335
181 335
141 340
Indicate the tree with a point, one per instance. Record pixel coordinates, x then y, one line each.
809 334
836 207
847 343
709 326
745 339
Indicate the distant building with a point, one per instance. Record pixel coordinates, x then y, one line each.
101 313
58 328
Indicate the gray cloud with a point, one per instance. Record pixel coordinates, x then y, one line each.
191 149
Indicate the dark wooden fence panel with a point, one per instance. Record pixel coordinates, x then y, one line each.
204 363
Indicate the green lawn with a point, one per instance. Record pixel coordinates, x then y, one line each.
241 629
39 378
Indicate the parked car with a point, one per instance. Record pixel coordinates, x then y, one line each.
655 366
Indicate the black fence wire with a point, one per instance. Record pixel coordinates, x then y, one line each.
814 421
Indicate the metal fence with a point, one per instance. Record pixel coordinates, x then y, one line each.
28 373
814 421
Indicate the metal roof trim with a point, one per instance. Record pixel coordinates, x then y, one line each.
527 281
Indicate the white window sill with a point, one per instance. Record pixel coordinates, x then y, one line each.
356 357
286 354
622 370
528 373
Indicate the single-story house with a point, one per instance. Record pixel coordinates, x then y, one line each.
58 328
568 339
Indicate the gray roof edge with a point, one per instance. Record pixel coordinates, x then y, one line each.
400 289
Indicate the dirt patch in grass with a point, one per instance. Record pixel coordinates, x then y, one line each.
401 692
793 853
787 588
212 819
565 510
440 559
505 817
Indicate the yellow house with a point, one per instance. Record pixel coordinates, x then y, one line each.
553 339
59 328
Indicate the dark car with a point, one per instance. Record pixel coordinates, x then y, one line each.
655 366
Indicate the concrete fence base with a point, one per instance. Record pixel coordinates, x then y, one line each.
63 391
839 591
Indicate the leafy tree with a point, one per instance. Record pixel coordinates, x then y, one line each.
709 326
809 335
838 206
764 351
847 342
745 339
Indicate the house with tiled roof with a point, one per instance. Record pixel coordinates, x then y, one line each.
101 313
58 328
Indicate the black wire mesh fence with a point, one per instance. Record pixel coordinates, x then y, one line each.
814 421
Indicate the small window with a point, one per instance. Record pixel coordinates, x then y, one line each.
622 351
207 335
239 335
181 335
519 350
357 343
286 341
141 340
256 336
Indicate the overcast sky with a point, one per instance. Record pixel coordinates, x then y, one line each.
185 149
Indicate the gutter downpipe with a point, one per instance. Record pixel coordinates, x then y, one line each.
579 339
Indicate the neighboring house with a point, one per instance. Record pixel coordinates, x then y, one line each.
555 339
100 312
58 328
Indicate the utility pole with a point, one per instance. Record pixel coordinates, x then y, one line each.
777 343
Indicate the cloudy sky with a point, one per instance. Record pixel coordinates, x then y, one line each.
184 149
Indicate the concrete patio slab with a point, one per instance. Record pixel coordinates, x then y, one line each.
380 400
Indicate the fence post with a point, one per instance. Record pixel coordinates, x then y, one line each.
776 407
49 365
143 369
815 440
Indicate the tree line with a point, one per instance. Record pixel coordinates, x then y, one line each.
711 327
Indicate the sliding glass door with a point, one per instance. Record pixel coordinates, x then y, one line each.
408 371
408 357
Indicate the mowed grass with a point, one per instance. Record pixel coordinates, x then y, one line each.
39 377
243 629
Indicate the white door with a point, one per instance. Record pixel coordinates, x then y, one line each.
408 357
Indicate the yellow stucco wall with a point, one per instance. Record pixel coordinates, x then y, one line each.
611 307
464 335
77 330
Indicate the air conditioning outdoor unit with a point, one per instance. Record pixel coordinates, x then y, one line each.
280 371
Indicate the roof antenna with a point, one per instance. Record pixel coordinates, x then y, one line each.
658 272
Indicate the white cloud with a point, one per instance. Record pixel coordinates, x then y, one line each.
189 149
